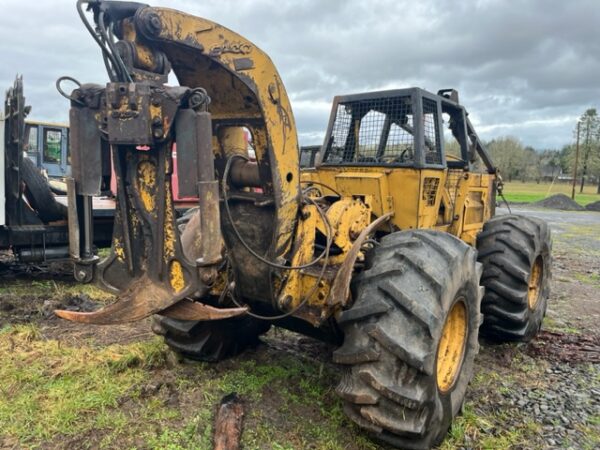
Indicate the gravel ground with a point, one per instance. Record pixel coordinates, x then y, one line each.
551 387
570 399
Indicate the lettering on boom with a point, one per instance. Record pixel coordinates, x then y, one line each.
238 48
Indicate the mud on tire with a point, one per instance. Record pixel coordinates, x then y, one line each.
394 384
210 341
516 255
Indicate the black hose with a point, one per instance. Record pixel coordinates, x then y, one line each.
106 55
248 248
324 254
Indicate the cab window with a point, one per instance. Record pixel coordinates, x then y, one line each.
52 145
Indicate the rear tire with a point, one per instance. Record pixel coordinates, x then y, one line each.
411 337
516 255
210 341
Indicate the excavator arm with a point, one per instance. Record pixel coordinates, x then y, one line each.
228 88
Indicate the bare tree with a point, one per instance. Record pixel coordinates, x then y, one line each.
589 148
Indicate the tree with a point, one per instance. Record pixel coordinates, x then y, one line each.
566 158
511 158
589 147
532 169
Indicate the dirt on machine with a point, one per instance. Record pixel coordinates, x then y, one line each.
387 247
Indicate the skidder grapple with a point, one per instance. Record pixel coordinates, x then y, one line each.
388 247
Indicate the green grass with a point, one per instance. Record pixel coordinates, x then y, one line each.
592 279
51 288
532 192
56 395
485 430
552 324
48 390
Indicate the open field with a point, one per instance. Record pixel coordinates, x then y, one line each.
65 385
532 192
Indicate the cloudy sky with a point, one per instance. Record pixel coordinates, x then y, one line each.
522 68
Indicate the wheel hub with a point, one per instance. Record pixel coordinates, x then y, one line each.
535 282
451 348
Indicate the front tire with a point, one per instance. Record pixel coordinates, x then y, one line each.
210 341
516 255
411 337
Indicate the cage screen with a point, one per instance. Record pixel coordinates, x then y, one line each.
376 131
433 149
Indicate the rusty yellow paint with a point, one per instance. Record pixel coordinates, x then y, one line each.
146 183
451 347
118 249
246 90
156 111
460 206
535 282
347 217
232 141
176 276
135 223
169 228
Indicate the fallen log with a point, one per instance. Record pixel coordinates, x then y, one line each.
228 423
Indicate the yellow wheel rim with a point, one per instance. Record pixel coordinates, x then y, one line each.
535 282
451 348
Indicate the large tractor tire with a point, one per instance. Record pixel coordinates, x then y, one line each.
207 340
516 255
39 195
411 337
210 341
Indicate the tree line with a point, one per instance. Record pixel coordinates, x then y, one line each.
518 162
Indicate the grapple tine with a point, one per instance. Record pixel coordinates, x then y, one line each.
190 310
142 299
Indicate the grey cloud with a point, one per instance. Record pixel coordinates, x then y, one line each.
521 67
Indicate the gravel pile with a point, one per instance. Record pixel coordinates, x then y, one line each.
593 206
559 201
568 402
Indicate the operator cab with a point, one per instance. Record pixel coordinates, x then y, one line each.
397 128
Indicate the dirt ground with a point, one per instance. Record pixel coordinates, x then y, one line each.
64 385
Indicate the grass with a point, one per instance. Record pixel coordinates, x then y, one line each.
58 396
54 395
48 390
52 288
475 427
532 192
552 324
592 279
132 396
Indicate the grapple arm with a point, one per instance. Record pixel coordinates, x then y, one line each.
226 82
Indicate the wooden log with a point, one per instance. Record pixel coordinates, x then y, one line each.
228 423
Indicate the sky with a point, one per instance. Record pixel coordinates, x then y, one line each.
526 69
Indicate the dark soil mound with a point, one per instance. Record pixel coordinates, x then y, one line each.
565 347
559 201
30 308
593 206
